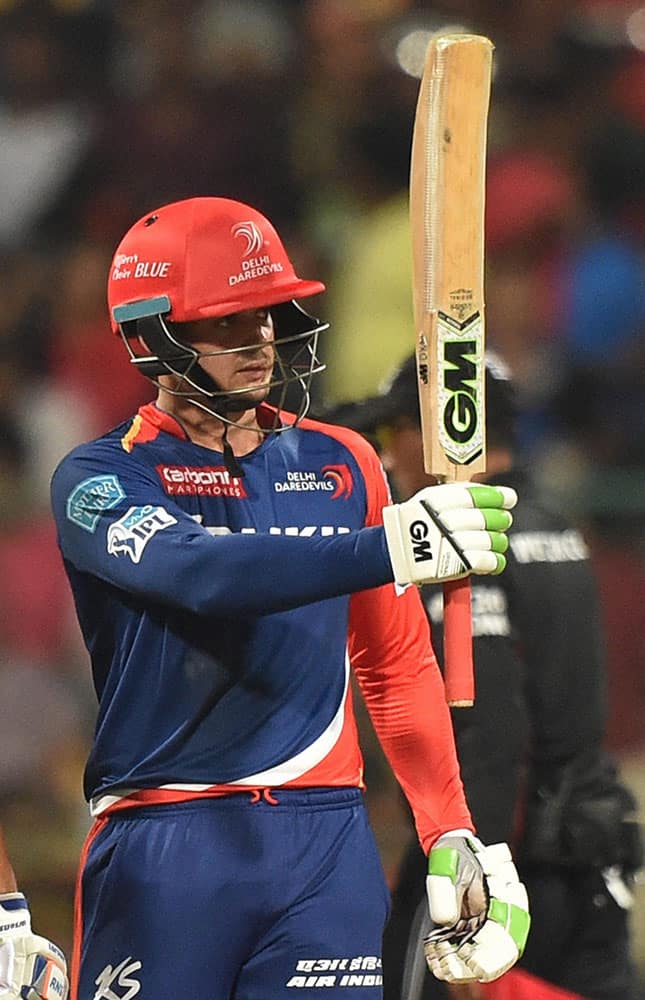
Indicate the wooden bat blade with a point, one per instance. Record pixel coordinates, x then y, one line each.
447 221
447 184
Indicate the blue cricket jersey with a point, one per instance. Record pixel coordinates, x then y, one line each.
218 615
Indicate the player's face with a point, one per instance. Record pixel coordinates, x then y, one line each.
247 339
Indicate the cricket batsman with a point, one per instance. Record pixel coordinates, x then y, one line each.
231 562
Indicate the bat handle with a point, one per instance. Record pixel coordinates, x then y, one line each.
458 644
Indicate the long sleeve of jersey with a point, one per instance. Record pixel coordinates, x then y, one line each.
165 555
391 653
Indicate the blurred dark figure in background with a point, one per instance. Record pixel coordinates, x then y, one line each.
531 748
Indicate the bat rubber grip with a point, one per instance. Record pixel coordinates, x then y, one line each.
459 675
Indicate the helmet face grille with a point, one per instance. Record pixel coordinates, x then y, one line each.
156 349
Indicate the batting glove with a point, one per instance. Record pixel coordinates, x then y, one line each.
448 531
479 908
31 967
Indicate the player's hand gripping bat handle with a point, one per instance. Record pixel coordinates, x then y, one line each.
458 643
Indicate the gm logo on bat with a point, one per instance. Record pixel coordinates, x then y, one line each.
419 538
461 429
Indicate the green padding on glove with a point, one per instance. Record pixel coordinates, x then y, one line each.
443 861
513 919
519 927
486 496
501 566
498 543
497 520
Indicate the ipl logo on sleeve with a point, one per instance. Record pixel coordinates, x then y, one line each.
131 533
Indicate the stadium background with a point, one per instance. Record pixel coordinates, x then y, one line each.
109 108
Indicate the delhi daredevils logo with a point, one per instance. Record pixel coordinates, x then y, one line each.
250 232
341 476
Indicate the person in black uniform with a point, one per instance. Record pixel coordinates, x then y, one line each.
531 748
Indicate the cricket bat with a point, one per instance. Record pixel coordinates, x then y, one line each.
447 185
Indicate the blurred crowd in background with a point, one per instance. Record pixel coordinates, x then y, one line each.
304 108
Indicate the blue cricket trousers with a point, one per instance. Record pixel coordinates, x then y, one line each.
232 899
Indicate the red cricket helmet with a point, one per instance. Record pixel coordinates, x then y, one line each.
209 257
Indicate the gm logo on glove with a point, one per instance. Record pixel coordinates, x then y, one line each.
421 548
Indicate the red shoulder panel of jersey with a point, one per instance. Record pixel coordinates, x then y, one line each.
147 424
378 493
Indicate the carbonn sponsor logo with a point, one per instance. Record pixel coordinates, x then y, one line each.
204 480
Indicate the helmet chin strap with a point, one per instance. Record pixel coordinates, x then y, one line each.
222 408
233 467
